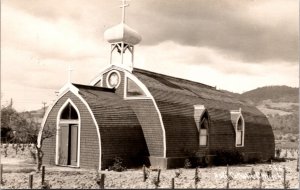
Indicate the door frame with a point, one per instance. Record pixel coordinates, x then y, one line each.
58 131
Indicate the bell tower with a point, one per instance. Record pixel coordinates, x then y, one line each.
122 39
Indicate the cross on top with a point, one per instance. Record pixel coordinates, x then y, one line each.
69 73
124 4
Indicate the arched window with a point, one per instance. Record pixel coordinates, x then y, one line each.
238 123
133 90
203 133
69 113
239 132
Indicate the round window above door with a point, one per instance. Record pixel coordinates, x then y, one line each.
113 79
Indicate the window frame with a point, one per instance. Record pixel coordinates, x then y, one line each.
203 118
242 131
236 117
146 92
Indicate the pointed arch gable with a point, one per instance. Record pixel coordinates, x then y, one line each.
71 88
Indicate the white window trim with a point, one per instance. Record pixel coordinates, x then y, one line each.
107 69
197 117
243 131
139 84
58 122
74 90
235 124
199 111
108 75
207 134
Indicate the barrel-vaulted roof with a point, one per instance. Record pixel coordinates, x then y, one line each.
175 96
108 107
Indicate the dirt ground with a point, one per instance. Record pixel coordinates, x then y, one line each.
17 169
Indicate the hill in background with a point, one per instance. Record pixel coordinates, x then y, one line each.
273 93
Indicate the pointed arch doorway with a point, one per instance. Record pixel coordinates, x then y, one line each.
68 127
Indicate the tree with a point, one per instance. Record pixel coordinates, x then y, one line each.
48 132
9 122
29 133
26 130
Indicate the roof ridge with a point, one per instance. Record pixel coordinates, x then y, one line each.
172 77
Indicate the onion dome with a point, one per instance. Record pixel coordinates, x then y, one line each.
122 33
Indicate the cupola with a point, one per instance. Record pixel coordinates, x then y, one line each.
122 39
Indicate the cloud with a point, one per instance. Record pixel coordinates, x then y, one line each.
208 66
235 45
253 31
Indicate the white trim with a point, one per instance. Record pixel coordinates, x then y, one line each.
108 75
101 81
243 131
107 69
139 84
73 121
66 88
58 122
162 126
149 96
74 90
199 110
143 87
235 123
97 128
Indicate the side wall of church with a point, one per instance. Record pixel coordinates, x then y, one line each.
259 138
89 142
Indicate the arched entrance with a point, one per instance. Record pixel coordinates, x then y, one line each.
68 125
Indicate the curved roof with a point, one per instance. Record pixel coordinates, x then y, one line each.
175 96
108 107
122 33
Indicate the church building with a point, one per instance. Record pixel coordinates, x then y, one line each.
148 118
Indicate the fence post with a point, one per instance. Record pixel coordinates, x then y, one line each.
30 181
158 175
102 181
144 173
43 174
284 177
260 179
297 169
172 184
1 173
227 173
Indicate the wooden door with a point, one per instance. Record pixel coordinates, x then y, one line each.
64 145
73 144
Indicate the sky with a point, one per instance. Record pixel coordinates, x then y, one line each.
233 45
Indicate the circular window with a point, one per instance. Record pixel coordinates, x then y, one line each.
113 79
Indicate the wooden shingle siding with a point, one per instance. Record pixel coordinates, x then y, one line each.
120 130
149 121
89 142
176 99
147 117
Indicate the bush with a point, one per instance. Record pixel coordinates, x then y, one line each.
230 157
278 151
187 164
277 159
117 165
